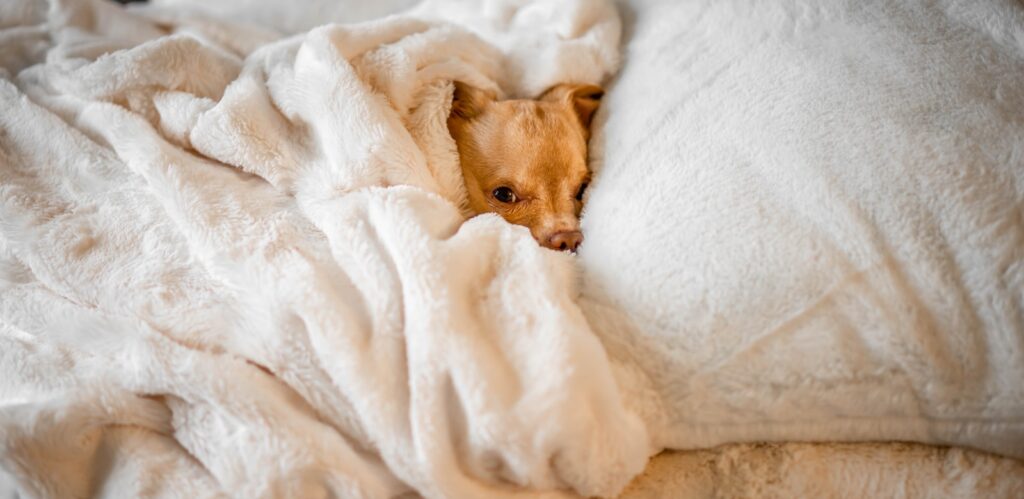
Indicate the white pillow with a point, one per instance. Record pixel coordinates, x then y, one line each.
807 221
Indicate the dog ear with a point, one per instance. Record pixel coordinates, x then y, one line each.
468 101
584 99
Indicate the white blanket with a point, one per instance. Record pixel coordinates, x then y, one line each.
247 273
232 263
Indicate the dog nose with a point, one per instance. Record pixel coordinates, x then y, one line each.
567 240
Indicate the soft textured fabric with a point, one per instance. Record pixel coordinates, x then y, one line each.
233 263
807 221
238 270
832 470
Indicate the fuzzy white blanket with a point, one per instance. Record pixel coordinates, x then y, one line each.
234 263
228 270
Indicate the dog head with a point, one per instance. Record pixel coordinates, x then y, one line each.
526 160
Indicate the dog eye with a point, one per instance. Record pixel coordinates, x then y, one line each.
579 194
504 194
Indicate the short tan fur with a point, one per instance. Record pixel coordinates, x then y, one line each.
525 159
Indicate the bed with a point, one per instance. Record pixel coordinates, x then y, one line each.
235 260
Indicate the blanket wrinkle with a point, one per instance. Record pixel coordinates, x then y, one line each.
296 208
242 225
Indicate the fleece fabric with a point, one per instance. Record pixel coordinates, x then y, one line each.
237 262
234 259
807 221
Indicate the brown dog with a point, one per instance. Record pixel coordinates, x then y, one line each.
526 160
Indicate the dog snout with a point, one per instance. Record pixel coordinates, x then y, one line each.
566 240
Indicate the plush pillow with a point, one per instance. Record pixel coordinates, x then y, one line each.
807 221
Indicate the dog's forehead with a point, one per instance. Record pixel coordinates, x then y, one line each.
542 135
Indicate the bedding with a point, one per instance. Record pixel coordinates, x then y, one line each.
256 261
234 260
807 222
789 470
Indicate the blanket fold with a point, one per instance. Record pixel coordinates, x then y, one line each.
263 254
